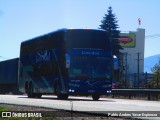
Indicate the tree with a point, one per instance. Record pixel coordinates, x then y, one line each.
109 23
155 83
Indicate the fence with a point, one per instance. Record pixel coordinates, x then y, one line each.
142 80
142 85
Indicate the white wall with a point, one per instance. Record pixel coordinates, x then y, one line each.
132 53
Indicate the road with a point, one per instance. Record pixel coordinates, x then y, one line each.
83 103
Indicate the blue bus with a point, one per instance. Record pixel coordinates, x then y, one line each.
66 62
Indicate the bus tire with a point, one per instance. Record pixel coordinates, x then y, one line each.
38 95
60 95
65 96
95 97
26 87
30 91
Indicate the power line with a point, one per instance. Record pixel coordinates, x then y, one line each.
152 36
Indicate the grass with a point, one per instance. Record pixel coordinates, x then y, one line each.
3 109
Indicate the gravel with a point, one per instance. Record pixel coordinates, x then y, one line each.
52 114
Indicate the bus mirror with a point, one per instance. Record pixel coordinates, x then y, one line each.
67 61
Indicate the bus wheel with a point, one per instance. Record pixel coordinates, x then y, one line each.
65 96
30 91
95 97
38 95
60 95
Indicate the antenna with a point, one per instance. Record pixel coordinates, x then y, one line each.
139 22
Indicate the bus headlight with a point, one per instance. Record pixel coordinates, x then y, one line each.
108 91
70 90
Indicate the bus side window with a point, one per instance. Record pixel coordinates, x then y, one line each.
46 69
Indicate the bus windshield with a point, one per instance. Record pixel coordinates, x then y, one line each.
89 67
87 39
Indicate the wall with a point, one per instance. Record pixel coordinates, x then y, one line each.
132 53
130 56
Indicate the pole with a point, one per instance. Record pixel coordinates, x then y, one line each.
157 84
135 80
157 79
146 80
126 70
138 68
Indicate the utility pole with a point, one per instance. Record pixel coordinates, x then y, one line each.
157 79
138 61
138 67
146 80
126 68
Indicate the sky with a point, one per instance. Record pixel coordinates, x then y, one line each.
21 20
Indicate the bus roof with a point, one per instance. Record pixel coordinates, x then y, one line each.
61 30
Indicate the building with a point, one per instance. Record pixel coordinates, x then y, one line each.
133 44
